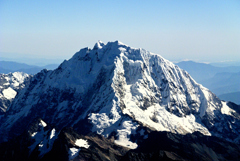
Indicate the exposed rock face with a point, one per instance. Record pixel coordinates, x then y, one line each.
115 90
195 146
42 141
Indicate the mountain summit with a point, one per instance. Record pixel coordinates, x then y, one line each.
121 92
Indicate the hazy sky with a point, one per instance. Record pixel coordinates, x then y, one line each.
201 30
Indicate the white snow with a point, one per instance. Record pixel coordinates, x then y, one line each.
53 133
33 134
7 77
44 139
6 84
46 142
43 123
225 109
165 121
82 143
38 137
73 152
20 76
104 121
9 93
98 45
123 133
41 144
15 79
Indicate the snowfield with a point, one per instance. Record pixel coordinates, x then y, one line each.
9 93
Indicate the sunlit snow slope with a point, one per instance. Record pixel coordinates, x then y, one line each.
120 89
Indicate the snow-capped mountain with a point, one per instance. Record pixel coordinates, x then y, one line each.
118 91
10 85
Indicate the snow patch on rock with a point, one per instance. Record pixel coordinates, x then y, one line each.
123 134
43 138
225 109
9 93
43 123
73 152
82 143
53 133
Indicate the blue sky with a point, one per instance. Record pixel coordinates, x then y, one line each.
200 30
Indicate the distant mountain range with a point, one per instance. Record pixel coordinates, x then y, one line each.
234 97
223 81
10 66
226 63
201 71
29 59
